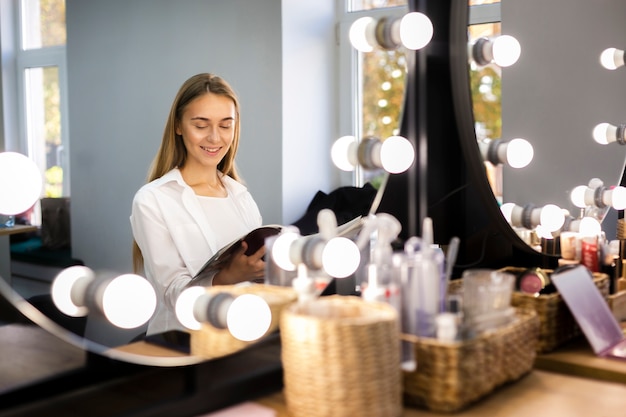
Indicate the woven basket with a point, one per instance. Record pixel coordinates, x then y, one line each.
341 357
450 376
211 342
557 325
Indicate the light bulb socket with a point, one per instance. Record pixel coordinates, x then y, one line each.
527 213
492 151
312 253
216 307
619 134
598 193
478 51
368 153
386 34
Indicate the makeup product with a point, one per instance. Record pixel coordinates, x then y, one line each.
424 282
534 281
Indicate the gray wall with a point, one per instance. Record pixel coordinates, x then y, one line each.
556 94
127 59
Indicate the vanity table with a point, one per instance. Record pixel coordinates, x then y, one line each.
539 394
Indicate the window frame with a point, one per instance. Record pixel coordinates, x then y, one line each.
350 74
14 103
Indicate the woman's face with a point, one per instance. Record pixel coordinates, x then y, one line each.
207 126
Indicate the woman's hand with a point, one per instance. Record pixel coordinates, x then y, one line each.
242 267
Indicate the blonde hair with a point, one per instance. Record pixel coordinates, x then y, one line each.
172 152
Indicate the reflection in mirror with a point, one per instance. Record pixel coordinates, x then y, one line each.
559 105
113 73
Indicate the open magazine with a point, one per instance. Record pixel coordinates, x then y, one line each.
256 239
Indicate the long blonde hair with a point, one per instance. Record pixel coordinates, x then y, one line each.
172 152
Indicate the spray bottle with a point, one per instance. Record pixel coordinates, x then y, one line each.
378 284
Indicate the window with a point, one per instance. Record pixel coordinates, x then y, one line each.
36 66
486 83
372 84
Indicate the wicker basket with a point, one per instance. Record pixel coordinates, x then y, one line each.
341 357
211 342
557 325
450 376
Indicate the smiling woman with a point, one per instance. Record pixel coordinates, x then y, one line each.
194 203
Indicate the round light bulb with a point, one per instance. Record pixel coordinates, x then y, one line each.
64 285
281 250
249 317
618 198
552 217
612 58
360 34
506 50
507 210
340 257
543 232
589 227
185 307
341 153
129 301
416 30
519 153
20 183
595 183
601 133
577 196
396 154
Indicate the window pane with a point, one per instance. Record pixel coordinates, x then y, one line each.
43 23
356 5
382 91
43 118
486 88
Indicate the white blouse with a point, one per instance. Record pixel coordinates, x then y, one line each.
177 237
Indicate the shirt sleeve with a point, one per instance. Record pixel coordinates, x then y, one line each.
163 265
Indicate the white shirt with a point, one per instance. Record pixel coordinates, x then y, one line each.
176 237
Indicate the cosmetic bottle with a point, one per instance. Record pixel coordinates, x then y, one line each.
379 283
423 281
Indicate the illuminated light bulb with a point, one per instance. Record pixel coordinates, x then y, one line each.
612 58
184 313
416 30
605 133
68 290
551 217
128 301
281 250
517 153
340 257
507 210
596 194
396 154
503 51
20 183
577 196
506 50
589 227
362 34
543 232
617 198
344 153
249 317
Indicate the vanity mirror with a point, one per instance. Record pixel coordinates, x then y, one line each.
554 96
125 61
